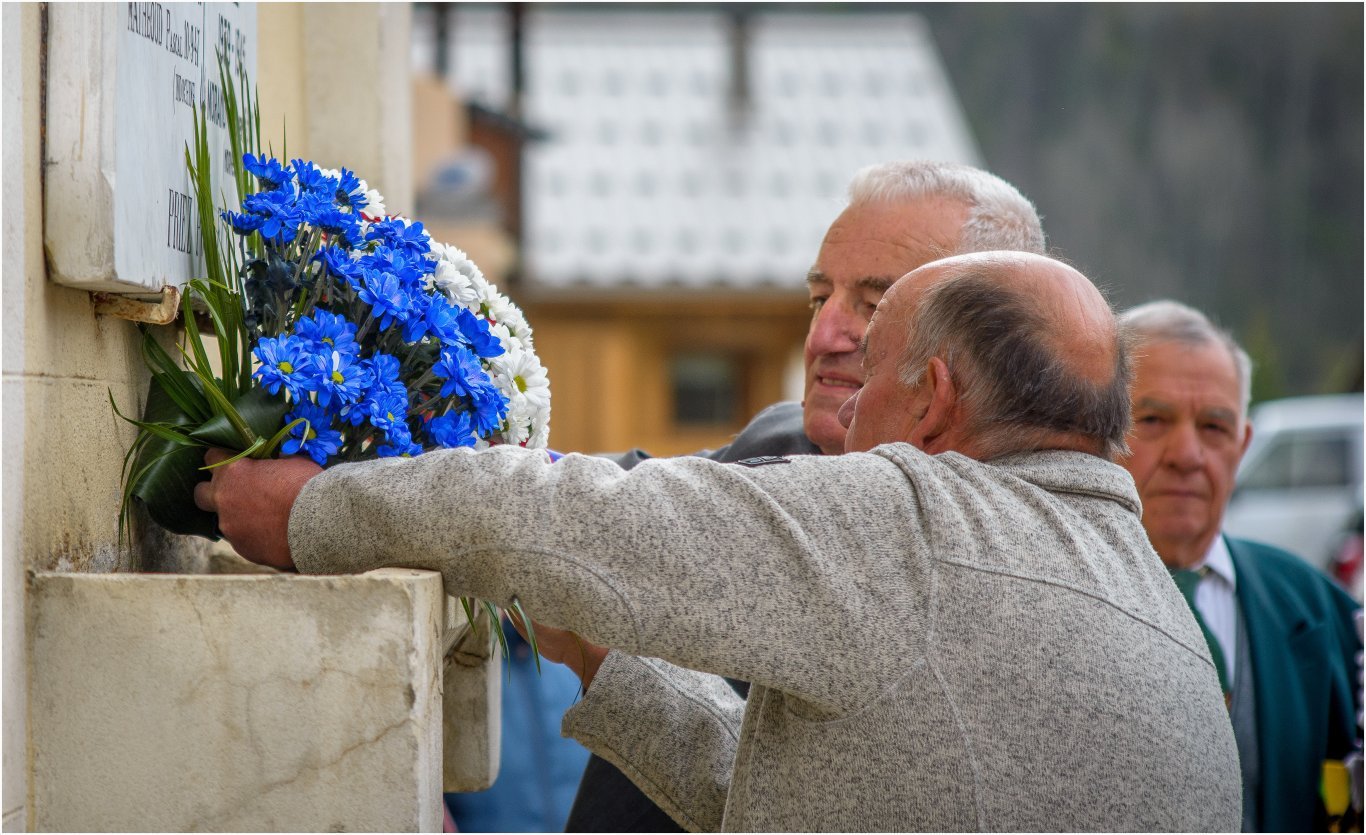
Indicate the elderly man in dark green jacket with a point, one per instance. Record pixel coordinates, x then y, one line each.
1283 635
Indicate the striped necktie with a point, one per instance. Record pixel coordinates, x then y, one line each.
1187 580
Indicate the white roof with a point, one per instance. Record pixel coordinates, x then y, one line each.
649 179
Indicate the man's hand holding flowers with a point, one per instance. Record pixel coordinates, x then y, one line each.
253 499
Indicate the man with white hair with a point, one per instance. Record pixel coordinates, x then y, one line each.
1282 635
899 216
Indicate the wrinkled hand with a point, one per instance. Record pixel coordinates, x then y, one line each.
253 499
565 647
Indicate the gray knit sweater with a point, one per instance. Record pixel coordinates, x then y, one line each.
935 642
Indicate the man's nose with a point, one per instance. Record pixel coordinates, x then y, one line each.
835 330
1183 450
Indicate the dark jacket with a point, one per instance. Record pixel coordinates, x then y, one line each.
1304 643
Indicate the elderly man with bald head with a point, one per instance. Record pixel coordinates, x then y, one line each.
957 626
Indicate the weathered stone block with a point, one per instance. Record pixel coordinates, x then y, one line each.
242 702
473 703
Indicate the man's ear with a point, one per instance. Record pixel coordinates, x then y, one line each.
1247 438
939 413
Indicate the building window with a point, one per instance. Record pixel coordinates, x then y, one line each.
706 389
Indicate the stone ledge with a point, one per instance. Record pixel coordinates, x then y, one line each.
165 702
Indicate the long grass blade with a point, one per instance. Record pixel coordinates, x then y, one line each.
201 357
166 431
269 449
256 445
496 624
223 406
530 631
171 378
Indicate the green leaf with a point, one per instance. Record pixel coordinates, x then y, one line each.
183 389
224 309
201 357
223 407
165 487
268 450
260 442
166 433
530 632
165 473
496 625
261 411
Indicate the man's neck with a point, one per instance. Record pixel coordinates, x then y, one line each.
1186 554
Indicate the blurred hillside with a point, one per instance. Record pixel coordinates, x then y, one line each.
1211 153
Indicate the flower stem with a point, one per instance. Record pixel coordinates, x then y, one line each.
365 328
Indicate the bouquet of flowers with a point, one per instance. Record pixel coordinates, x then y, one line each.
343 333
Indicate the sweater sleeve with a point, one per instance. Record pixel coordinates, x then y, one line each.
640 713
757 573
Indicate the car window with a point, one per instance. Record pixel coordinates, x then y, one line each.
1297 460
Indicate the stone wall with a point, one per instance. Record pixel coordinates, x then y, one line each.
63 361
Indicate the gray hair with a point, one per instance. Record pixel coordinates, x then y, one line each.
1017 392
999 217
1170 321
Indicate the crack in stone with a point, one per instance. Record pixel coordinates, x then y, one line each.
215 822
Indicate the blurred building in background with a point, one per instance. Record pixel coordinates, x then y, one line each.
652 184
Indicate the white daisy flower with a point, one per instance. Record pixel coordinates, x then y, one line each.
455 285
529 376
519 421
455 275
374 201
503 311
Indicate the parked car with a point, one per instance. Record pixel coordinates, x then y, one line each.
1299 486
1347 557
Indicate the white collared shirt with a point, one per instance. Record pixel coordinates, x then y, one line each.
1218 604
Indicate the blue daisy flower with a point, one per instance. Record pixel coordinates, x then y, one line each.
385 294
417 327
461 371
343 379
340 226
268 172
316 437
350 193
384 396
328 332
286 362
406 450
400 235
410 271
453 429
388 411
282 216
339 262
243 224
490 408
312 180
443 321
384 370
476 334
398 434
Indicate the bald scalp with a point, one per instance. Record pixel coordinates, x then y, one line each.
1033 347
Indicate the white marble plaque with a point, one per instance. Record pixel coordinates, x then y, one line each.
124 83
